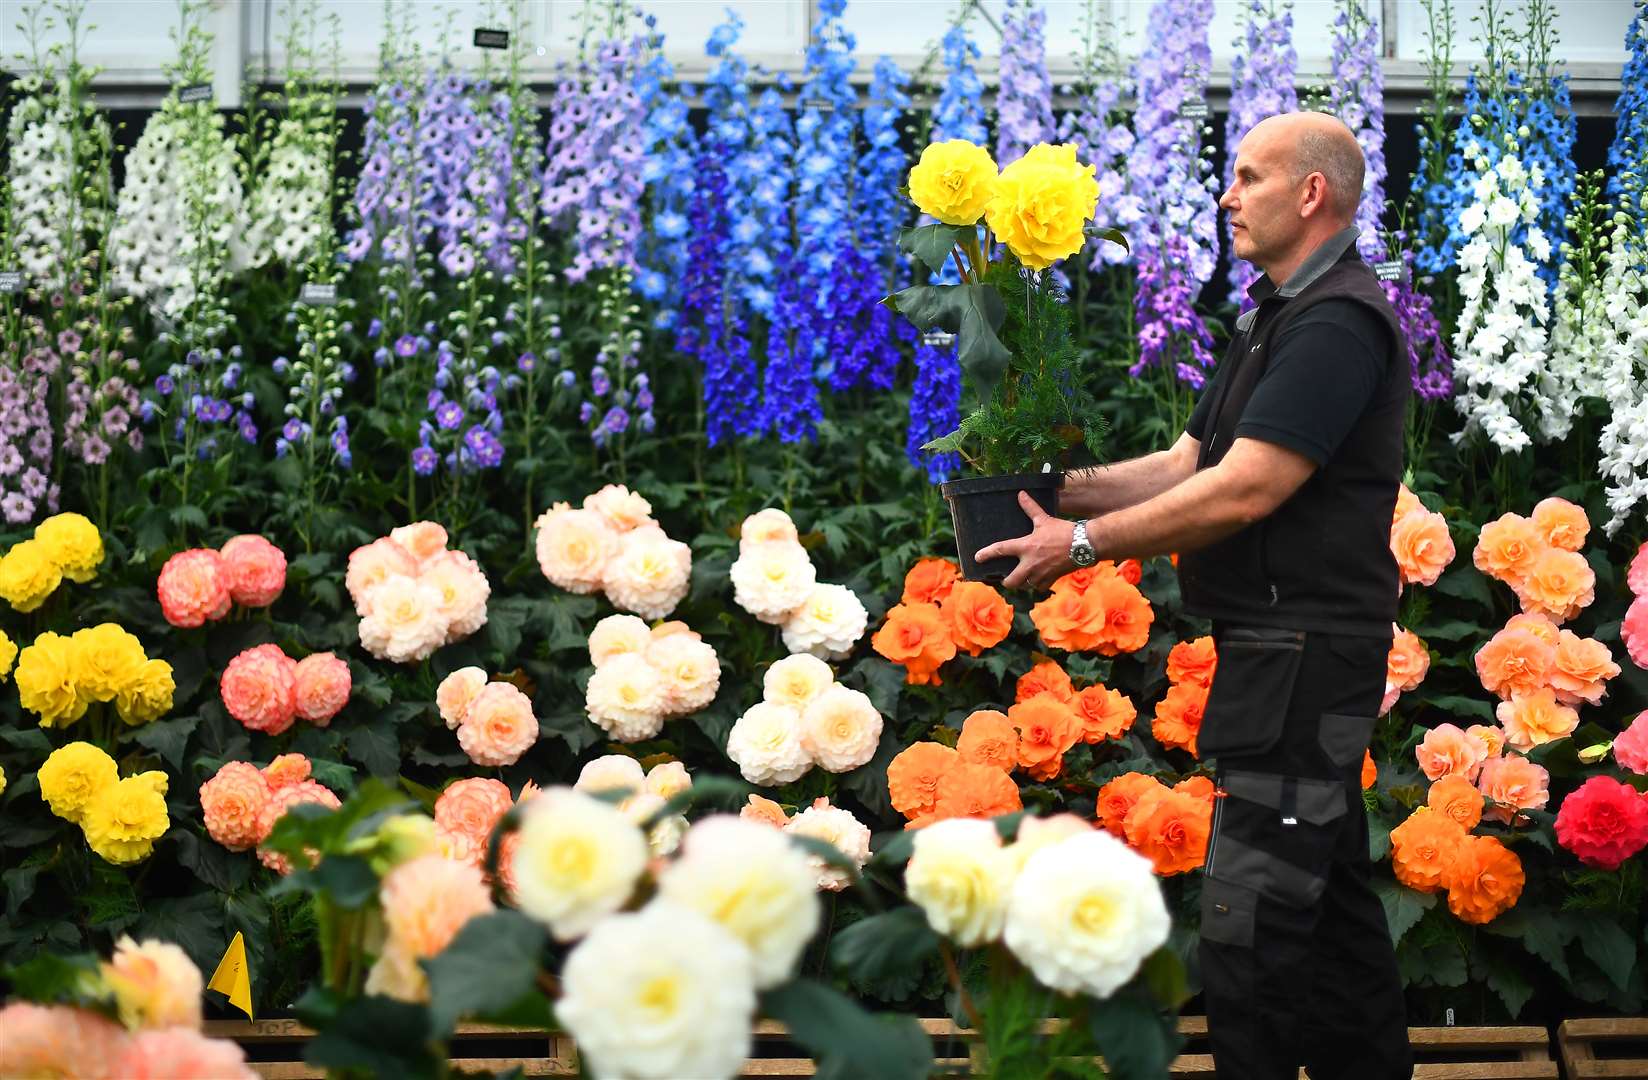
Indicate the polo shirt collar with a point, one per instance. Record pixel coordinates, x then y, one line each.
1315 265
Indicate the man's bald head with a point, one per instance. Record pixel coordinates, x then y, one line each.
1318 143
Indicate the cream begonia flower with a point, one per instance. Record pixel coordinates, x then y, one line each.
960 877
766 744
577 861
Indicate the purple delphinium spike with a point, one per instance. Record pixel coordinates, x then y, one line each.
1024 98
1261 85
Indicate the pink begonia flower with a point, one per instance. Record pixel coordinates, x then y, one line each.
1634 631
1631 747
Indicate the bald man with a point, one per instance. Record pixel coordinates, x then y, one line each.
1278 499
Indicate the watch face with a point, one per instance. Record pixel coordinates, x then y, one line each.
1084 556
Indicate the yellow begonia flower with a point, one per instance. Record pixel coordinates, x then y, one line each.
74 544
125 819
1043 202
73 776
46 680
107 658
8 654
148 696
28 574
2 780
954 181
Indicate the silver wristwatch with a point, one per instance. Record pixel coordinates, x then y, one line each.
1081 549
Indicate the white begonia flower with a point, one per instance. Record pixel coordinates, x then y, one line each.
668 779
771 525
796 680
577 861
626 698
836 826
749 878
765 743
690 670
960 876
659 994
574 547
771 580
648 573
614 772
840 729
622 508
618 634
404 621
827 624
1084 913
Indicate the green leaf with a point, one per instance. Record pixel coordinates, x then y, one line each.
890 945
1504 980
1609 947
1403 907
51 977
1465 583
932 243
188 516
31 739
973 313
168 738
376 1034
1115 236
847 1041
1463 706
1164 973
893 849
1452 630
1138 1040
375 746
490 965
347 879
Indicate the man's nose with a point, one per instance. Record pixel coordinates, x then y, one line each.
1227 201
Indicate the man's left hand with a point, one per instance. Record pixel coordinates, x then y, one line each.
1043 555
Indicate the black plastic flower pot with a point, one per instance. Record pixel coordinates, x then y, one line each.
986 509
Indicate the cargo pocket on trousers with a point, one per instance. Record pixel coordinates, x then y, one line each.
1344 738
1228 913
1252 687
1277 835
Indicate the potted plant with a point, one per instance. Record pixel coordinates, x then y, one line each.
1020 362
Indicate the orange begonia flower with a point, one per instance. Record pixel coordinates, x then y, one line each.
764 810
1170 828
976 791
929 581
1512 783
1104 713
1560 584
1199 786
1531 720
1422 546
1127 617
1046 677
913 776
1370 771
1047 727
1405 501
1131 570
1561 524
1484 880
1582 669
1455 797
1070 620
1423 847
1193 661
1408 661
989 738
1119 796
1178 717
917 636
1515 661
979 617
1079 581
1506 546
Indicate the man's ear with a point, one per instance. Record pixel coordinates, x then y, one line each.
1316 195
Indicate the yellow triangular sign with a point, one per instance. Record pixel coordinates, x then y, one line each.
233 978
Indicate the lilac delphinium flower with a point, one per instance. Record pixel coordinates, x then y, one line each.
387 207
1356 95
1428 357
1261 85
1098 127
1024 96
26 438
1175 243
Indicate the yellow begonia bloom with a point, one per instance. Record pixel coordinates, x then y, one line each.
28 574
148 696
73 776
954 181
2 780
1043 202
74 544
46 680
107 658
125 819
8 654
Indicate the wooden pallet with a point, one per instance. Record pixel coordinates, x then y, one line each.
275 1050
1582 1042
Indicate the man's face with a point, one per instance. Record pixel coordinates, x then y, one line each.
1262 200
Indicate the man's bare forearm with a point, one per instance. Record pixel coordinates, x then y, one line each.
1106 488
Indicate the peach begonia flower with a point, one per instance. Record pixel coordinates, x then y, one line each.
1047 727
929 581
1424 847
979 618
1178 719
913 776
1484 880
1510 783
1515 661
1491 737
1633 632
918 637
1046 677
423 540
255 570
1193 661
1560 584
1104 713
989 738
1118 797
1561 524
1538 624
1406 503
1422 546
1457 798
1448 751
1535 719
1583 668
764 810
1506 547
1170 828
1408 661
